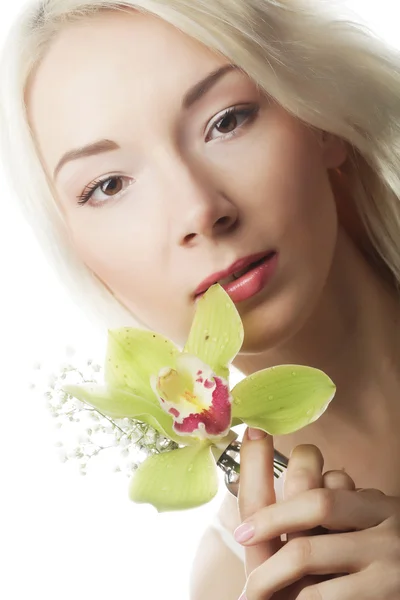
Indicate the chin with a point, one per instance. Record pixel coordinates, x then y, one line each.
277 321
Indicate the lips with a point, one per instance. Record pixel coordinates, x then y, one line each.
235 271
239 274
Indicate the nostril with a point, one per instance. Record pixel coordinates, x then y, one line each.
224 222
222 225
189 238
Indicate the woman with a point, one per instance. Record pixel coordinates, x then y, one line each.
156 143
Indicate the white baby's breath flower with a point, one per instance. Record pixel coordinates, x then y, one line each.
87 433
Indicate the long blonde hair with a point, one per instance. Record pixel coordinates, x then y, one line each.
331 72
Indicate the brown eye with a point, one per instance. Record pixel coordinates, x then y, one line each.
227 124
110 189
230 121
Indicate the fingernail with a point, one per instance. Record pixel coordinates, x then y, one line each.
244 532
256 434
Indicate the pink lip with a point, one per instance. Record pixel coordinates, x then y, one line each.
250 283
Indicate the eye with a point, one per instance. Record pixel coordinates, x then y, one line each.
111 187
228 122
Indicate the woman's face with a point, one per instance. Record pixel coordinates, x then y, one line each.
187 190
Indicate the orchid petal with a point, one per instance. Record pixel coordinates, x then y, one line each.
117 404
133 355
282 399
216 335
176 480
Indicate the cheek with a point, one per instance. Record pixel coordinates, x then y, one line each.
287 192
121 255
136 270
309 217
108 247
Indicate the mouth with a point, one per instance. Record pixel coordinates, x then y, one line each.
243 278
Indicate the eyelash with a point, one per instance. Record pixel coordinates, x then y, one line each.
92 187
250 113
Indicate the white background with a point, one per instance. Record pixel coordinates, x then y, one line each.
63 535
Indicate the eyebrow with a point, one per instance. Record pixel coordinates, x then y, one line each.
192 96
202 87
89 150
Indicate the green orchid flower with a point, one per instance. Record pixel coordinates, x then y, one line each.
185 396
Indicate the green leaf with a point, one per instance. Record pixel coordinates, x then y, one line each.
117 404
133 356
216 335
176 480
282 399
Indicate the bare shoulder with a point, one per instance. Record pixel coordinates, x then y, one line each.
217 573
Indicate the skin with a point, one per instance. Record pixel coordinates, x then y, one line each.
198 192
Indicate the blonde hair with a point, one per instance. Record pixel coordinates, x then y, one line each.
331 72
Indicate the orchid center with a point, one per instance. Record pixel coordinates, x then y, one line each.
178 388
197 399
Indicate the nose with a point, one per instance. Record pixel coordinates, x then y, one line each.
208 220
205 211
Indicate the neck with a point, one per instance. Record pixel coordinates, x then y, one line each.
352 337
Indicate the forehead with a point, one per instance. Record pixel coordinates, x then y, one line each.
108 65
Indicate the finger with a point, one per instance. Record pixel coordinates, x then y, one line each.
363 585
292 592
348 587
302 557
304 473
304 470
338 480
337 510
371 493
256 490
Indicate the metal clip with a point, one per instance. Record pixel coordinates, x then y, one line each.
229 462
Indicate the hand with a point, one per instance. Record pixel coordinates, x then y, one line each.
363 548
257 490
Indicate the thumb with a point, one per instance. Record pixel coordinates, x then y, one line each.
256 489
